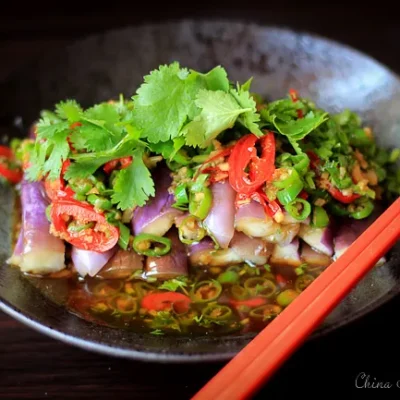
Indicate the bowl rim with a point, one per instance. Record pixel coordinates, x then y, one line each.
153 356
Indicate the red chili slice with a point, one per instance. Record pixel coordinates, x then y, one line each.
13 175
244 156
166 301
102 237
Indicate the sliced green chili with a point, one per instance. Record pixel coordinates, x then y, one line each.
293 209
260 287
363 209
107 288
143 242
200 203
123 304
124 234
303 281
206 291
286 297
99 202
190 230
320 217
74 226
289 194
141 288
265 312
181 197
82 185
217 312
239 292
337 209
292 177
228 277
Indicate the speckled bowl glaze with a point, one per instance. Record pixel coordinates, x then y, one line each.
105 65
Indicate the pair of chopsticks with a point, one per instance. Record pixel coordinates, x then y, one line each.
258 361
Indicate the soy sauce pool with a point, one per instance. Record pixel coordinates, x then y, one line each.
215 301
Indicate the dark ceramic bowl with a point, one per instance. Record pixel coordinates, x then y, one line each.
105 65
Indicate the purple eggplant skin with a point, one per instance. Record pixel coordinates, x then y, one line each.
319 239
204 254
42 252
348 233
170 265
251 250
220 221
88 262
122 265
287 255
157 216
314 258
16 256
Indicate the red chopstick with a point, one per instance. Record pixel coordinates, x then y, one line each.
257 362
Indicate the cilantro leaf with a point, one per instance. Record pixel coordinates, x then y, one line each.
69 110
249 119
219 111
46 128
86 164
282 116
92 138
163 102
104 115
59 150
84 168
174 284
216 79
37 159
134 184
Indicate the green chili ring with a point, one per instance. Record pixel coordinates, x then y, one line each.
131 301
106 288
303 281
199 230
265 312
292 178
268 288
320 217
286 297
337 209
289 194
363 210
200 202
292 209
239 292
228 277
147 237
224 312
206 291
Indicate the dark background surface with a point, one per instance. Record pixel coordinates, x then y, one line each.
35 366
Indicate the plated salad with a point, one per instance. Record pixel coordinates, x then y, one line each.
195 206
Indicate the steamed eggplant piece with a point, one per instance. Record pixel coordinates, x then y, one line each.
320 239
219 222
283 234
122 265
251 219
348 233
204 254
157 216
287 255
314 258
170 265
16 256
253 251
88 262
42 252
